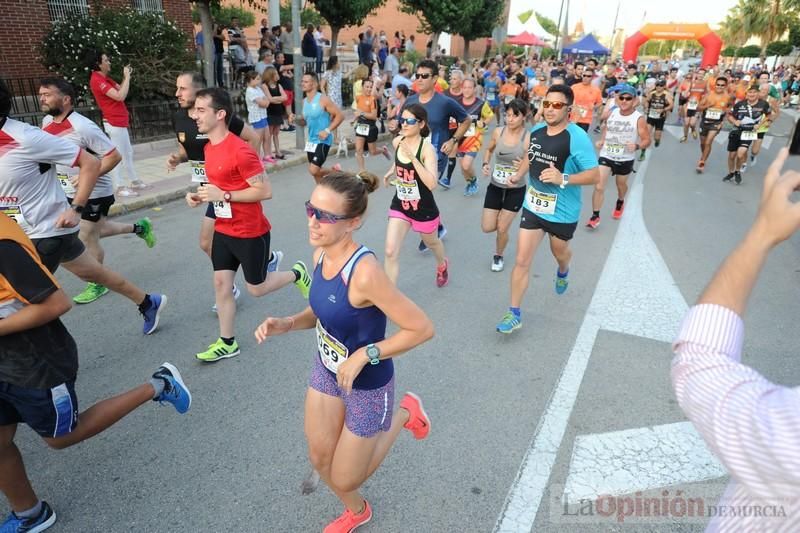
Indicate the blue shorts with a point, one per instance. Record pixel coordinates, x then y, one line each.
49 412
366 412
260 125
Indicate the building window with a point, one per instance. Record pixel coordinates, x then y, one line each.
60 9
148 6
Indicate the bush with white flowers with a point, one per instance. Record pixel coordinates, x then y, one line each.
153 45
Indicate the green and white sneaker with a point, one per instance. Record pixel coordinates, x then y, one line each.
219 350
92 292
303 282
147 234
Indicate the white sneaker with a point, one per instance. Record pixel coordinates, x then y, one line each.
497 263
236 294
126 192
744 168
139 184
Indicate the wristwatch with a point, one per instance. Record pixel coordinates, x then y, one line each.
374 354
226 196
77 208
565 182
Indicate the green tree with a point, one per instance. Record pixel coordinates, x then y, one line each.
152 44
436 16
222 15
343 13
525 16
779 48
794 34
478 19
308 15
752 50
548 25
768 19
730 51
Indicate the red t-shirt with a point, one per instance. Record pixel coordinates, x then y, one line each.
114 111
229 165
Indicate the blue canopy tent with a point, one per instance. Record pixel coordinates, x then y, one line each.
588 46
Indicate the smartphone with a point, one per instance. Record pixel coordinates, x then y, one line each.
794 140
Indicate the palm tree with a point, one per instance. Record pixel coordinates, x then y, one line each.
768 19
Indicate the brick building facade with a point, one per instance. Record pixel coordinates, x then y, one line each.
27 22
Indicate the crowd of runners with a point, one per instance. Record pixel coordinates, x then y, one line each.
532 132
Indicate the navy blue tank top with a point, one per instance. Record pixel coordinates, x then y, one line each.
342 329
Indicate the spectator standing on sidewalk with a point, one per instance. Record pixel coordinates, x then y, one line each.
320 40
309 49
110 97
219 51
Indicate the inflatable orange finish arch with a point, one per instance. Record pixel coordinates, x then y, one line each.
712 44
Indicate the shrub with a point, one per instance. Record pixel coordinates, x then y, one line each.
222 15
153 45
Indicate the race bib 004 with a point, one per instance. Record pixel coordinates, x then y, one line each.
198 171
222 209
332 353
541 202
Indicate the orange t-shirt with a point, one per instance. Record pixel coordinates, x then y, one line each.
508 89
366 103
586 98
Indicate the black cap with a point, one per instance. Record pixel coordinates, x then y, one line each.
661 83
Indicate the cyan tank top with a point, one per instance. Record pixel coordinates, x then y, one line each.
317 119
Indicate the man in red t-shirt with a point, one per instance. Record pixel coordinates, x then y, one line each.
236 186
110 97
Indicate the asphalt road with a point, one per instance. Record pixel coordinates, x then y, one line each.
236 460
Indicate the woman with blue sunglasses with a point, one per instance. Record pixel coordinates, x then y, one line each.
350 423
413 208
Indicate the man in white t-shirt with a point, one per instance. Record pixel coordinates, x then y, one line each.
55 98
32 196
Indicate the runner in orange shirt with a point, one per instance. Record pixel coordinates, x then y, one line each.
696 91
588 98
713 109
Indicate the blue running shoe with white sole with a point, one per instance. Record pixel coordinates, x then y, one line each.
275 261
175 390
152 315
510 323
562 283
15 524
444 181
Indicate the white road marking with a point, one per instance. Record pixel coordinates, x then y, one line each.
623 462
635 294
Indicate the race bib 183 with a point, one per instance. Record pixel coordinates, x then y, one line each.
541 202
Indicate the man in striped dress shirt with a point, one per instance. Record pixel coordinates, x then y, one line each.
751 424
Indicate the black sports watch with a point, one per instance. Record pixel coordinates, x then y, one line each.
77 208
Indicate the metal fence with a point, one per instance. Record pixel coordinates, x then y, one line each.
60 9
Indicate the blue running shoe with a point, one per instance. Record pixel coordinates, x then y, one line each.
44 520
444 181
275 261
151 316
175 390
509 323
442 231
471 188
562 283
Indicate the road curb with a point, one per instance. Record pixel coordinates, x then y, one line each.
177 193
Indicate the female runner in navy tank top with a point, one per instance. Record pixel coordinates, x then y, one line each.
413 208
349 423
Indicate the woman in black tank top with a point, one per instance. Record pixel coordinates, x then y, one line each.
413 176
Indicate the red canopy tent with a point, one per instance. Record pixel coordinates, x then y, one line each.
525 39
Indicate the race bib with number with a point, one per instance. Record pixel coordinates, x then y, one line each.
615 150
541 202
66 184
654 113
692 105
470 131
508 99
361 129
311 147
332 353
407 191
14 212
222 209
198 171
713 114
749 136
502 173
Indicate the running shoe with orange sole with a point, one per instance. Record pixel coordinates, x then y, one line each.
348 521
594 221
418 422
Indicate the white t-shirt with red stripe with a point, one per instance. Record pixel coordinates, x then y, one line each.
81 131
29 190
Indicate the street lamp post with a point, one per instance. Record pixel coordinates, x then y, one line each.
297 63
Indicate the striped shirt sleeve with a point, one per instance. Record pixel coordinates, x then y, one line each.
751 424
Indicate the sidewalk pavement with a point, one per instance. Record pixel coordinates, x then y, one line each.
151 166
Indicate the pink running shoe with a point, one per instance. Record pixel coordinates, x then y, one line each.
349 521
418 422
